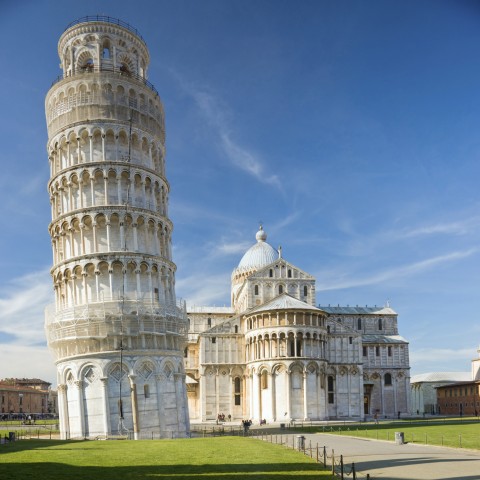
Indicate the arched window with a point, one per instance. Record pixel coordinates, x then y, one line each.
237 390
331 389
359 323
271 273
291 348
106 49
280 289
88 65
299 348
289 273
236 328
388 379
256 289
209 321
305 291
146 390
264 380
380 326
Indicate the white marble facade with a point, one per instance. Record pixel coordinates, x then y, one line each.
276 356
116 330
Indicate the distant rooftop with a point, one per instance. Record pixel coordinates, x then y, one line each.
448 377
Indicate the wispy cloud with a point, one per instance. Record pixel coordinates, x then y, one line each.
22 307
426 360
19 361
235 248
247 161
206 290
218 118
435 355
285 221
397 273
461 227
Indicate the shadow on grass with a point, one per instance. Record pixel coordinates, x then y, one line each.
21 445
370 466
57 471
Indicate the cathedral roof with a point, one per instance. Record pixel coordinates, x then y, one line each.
378 338
387 310
284 302
259 255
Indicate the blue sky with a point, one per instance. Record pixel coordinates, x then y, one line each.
349 128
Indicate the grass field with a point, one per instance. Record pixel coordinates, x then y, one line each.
452 433
217 458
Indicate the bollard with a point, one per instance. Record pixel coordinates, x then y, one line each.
325 456
301 442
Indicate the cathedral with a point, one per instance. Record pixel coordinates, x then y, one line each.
276 356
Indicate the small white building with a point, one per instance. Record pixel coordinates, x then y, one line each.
275 355
424 393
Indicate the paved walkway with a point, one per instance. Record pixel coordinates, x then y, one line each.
387 460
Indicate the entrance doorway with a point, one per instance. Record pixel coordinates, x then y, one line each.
366 404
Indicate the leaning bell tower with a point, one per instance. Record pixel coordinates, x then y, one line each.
116 330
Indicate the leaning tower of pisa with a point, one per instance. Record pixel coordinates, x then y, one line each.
116 330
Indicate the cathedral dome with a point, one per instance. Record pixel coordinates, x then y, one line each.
258 255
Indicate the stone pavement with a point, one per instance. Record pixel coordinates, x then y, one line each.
387 460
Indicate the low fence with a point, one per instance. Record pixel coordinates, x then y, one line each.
327 459
11 436
319 453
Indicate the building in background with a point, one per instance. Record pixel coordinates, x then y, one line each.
25 396
462 397
116 330
424 389
459 399
275 356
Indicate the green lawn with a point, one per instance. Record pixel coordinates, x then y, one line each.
217 458
449 433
